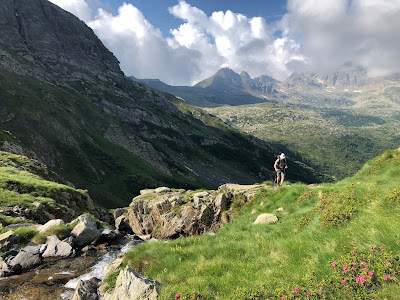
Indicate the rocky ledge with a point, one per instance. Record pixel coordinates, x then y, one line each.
165 213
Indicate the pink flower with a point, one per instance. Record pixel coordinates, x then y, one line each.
363 263
364 269
177 296
385 278
344 281
381 248
296 290
333 264
345 269
360 279
353 268
370 273
308 294
374 247
283 298
354 263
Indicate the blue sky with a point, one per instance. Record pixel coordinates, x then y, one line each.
156 11
183 42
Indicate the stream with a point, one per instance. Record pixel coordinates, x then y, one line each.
56 279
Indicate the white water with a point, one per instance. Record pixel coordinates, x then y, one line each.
98 269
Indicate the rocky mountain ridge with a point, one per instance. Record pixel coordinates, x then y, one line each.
66 102
326 89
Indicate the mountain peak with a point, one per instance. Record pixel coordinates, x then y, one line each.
245 75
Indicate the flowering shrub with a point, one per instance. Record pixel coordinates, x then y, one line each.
337 208
358 275
304 220
307 195
393 196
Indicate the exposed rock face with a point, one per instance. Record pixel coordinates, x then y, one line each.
86 231
54 38
266 219
133 286
122 224
8 239
172 214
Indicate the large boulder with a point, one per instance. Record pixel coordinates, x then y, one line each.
266 219
133 286
57 248
86 290
85 232
4 270
50 224
25 260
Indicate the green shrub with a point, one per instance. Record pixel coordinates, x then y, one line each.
337 208
393 196
26 233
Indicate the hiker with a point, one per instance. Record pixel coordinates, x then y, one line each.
280 167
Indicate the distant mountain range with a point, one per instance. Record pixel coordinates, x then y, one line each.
65 101
226 87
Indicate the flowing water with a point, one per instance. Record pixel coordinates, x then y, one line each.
56 279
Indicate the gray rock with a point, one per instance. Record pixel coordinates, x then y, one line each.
87 290
25 260
50 224
57 248
109 235
133 286
221 202
206 215
266 219
85 232
4 270
119 212
147 191
35 248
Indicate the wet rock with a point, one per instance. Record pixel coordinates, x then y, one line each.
85 232
87 290
108 235
119 212
50 224
266 219
132 285
57 248
24 261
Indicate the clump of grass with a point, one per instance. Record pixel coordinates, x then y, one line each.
393 196
7 220
26 233
111 280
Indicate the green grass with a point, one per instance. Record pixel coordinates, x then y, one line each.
244 260
61 231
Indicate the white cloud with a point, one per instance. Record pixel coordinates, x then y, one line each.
314 34
335 32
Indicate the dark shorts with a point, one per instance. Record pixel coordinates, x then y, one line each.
280 173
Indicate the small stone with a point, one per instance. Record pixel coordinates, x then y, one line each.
266 219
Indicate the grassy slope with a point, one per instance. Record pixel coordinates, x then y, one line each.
19 186
273 260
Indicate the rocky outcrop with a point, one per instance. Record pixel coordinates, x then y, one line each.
8 239
25 260
133 286
167 213
85 232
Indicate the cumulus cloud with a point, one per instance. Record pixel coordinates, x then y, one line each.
336 32
313 35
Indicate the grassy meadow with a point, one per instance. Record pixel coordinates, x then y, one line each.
332 241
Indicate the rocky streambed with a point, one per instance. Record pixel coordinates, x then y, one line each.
74 267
